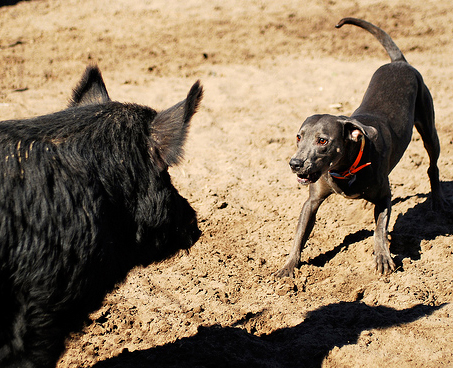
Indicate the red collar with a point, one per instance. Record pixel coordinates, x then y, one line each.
353 169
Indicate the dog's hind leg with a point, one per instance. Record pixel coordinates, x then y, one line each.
424 123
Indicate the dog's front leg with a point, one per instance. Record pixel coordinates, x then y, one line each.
383 260
318 192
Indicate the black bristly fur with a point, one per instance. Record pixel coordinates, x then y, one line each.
91 89
84 197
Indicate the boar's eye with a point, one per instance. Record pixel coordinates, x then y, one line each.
322 141
298 137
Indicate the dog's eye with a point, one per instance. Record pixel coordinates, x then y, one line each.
298 137
322 141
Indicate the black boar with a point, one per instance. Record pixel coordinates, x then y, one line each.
85 196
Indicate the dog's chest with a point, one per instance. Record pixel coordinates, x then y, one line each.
348 188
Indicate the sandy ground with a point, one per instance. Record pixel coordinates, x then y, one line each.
266 65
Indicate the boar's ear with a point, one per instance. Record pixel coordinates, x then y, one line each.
169 128
90 90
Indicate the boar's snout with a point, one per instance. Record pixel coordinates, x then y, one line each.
191 232
194 231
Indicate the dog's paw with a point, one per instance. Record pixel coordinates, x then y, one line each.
285 271
439 204
384 264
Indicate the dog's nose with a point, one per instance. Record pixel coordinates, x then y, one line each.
295 164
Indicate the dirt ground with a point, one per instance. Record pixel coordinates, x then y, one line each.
266 65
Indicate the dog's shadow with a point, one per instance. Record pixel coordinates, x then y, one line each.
322 259
304 345
417 224
421 223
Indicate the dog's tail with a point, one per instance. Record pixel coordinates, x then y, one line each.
386 41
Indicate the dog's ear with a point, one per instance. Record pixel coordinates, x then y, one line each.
354 129
355 135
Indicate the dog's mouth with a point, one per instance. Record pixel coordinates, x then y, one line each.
306 179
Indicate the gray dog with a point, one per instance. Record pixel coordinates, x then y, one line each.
353 156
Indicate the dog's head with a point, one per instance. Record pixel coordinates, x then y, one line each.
322 144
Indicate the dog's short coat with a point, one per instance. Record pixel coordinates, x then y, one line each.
353 156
